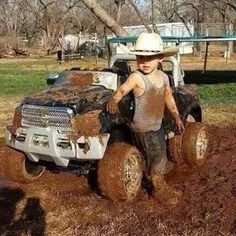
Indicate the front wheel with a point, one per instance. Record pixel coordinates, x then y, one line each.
120 172
19 168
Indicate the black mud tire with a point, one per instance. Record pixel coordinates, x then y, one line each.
20 169
116 135
194 143
120 172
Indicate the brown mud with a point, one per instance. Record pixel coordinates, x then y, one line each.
93 96
79 79
63 204
16 121
112 180
87 124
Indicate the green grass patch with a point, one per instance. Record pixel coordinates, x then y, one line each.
215 93
23 77
28 76
15 81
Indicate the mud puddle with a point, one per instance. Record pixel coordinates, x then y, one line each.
63 204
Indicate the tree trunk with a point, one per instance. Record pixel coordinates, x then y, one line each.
140 16
104 17
118 14
184 22
154 26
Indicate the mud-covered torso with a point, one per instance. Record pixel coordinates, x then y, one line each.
149 107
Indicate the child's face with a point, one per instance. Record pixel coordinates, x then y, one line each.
148 64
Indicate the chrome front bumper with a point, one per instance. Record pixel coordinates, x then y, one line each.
49 145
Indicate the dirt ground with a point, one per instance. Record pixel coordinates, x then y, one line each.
63 204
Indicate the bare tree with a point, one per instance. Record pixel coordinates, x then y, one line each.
140 16
119 5
153 17
104 17
11 17
230 3
226 9
51 18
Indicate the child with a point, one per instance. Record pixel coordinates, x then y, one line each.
152 93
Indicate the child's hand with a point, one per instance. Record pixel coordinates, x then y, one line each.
180 125
112 106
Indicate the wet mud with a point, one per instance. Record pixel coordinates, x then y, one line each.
87 124
16 121
63 204
79 79
111 178
81 98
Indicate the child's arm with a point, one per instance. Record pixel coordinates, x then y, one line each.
171 105
123 90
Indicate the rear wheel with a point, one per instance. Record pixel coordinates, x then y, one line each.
190 146
194 143
175 144
175 149
120 172
19 168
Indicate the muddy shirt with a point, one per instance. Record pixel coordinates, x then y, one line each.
149 107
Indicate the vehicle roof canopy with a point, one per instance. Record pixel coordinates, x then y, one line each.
132 39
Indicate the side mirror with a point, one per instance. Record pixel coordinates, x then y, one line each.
52 78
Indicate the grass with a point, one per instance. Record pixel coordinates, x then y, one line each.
221 114
28 76
16 80
215 93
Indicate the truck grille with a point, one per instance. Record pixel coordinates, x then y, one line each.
43 116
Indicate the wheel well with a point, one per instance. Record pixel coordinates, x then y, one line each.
196 112
120 133
33 168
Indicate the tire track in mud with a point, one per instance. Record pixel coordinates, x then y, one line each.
67 206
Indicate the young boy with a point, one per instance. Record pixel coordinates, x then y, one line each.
152 93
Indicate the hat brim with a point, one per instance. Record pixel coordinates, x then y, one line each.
171 51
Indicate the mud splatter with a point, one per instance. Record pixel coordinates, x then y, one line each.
3 154
12 164
151 109
111 177
94 97
175 149
80 79
16 121
86 125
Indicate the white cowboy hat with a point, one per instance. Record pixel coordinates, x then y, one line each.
149 44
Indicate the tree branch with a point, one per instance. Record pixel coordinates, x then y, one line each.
140 16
